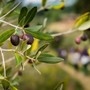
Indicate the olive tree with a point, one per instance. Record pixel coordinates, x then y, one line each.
22 37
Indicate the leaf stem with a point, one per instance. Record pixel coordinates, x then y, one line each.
36 68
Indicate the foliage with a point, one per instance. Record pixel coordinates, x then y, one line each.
23 53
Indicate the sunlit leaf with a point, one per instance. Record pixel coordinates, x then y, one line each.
48 58
60 86
84 26
80 20
5 35
34 28
60 6
13 88
18 59
35 45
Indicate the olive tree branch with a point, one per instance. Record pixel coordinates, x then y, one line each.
64 33
10 24
8 50
3 62
9 60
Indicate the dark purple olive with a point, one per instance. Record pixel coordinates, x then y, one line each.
20 73
46 9
78 40
26 26
30 61
84 37
15 40
29 38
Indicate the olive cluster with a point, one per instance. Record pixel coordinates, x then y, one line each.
84 37
15 39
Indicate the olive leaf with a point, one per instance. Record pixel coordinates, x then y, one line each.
42 48
5 35
18 58
84 26
44 2
5 84
48 58
60 6
80 20
34 28
22 16
30 15
39 35
13 88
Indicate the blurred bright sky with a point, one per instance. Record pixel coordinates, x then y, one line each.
49 2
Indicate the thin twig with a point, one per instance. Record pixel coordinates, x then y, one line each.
8 50
10 24
16 74
3 62
9 60
10 10
63 33
36 68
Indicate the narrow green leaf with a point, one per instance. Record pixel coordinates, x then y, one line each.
59 86
5 35
80 20
44 2
5 84
23 13
8 71
18 59
47 58
84 26
28 51
42 48
34 28
60 6
30 15
23 45
39 35
13 88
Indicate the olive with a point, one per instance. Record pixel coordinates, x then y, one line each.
84 37
26 26
30 61
15 40
29 38
46 9
78 40
20 73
